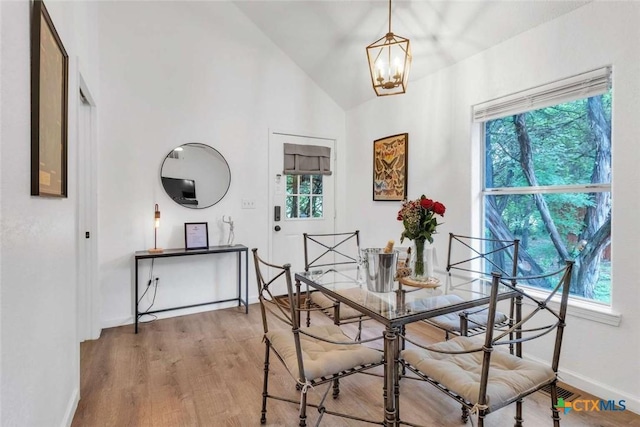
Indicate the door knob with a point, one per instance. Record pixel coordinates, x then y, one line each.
277 228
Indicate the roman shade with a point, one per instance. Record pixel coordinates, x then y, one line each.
307 159
583 85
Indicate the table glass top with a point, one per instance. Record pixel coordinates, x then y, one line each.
404 303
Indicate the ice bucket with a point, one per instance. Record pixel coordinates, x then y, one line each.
379 268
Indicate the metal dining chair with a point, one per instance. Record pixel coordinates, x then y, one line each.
312 356
328 252
477 257
484 378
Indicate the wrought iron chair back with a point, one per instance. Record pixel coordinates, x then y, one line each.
476 257
278 306
490 252
333 250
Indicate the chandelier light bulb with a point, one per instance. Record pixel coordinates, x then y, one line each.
398 68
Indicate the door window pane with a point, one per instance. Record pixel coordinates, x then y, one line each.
305 206
316 206
317 184
305 184
292 184
304 196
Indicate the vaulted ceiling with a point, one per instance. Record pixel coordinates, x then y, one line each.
327 38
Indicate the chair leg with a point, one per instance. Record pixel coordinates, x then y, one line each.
518 416
481 416
303 408
336 388
555 414
359 329
396 390
263 417
402 369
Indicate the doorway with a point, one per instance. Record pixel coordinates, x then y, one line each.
88 314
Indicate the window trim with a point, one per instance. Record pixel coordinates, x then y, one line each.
585 85
550 189
579 307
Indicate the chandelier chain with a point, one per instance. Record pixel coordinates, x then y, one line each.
389 16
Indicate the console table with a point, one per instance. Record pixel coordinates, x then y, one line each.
212 250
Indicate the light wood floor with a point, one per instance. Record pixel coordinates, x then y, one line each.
206 370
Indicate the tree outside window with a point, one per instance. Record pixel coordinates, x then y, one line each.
547 182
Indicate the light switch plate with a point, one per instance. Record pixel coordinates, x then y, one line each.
248 204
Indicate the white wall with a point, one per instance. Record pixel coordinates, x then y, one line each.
39 383
177 72
443 164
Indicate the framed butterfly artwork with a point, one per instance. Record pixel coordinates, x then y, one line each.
390 155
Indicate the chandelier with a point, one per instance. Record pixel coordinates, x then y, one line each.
389 63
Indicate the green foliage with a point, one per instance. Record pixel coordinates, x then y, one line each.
304 196
564 149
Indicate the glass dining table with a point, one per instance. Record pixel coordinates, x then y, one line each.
395 309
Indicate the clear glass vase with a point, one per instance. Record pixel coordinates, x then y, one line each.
421 262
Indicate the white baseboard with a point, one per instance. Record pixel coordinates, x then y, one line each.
596 388
600 390
112 323
71 408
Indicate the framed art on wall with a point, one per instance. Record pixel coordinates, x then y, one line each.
390 155
196 235
49 106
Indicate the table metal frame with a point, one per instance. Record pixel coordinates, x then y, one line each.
180 252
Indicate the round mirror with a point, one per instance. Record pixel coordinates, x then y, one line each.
195 175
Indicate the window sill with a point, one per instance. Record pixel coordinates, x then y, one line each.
581 309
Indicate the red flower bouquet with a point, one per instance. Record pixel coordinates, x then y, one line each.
419 218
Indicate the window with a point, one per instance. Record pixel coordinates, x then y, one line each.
304 196
547 179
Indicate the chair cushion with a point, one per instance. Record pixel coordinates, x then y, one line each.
346 312
451 321
430 303
509 376
320 358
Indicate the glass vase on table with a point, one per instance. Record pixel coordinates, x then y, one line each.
421 262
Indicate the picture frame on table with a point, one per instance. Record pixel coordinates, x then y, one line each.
390 172
196 235
49 106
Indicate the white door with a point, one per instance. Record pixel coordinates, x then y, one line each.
306 202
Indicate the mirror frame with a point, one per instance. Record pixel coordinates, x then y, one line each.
216 153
